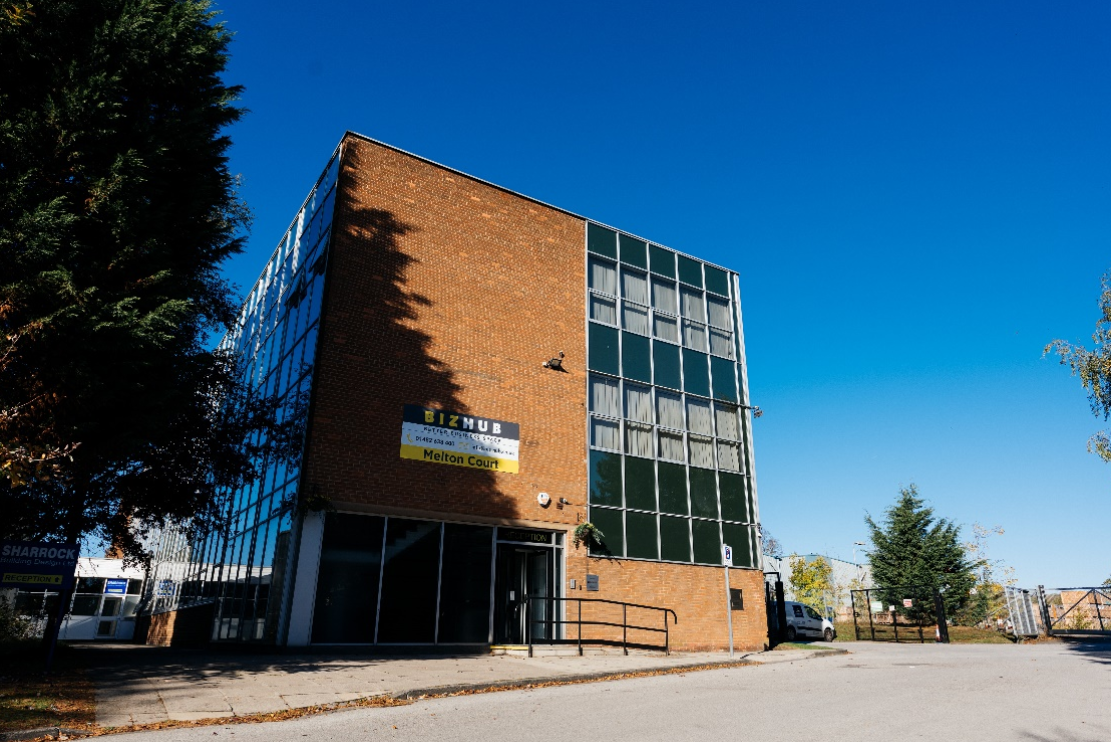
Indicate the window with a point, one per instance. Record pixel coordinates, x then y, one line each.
721 343
666 361
663 261
634 286
696 378
669 410
636 356
733 501
671 446
692 305
673 489
605 478
609 522
702 452
638 439
640 484
634 318
638 403
603 349
706 539
605 434
634 251
719 313
694 335
603 276
601 240
675 539
725 382
604 396
690 271
725 415
603 309
640 540
665 327
663 296
729 456
698 416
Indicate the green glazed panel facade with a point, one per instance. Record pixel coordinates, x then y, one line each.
601 241
667 429
634 251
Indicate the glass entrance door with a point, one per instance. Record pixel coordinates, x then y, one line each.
522 571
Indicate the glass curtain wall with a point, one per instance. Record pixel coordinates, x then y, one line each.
668 474
402 581
244 568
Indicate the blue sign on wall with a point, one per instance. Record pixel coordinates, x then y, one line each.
37 564
116 587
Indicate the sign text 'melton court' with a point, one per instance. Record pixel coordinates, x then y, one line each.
444 437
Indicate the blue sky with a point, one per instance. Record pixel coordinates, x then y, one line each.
916 199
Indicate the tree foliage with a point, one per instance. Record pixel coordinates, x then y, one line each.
1094 369
992 578
770 543
912 549
811 581
116 211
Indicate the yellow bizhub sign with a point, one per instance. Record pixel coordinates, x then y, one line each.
457 439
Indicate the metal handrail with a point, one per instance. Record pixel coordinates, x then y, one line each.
579 623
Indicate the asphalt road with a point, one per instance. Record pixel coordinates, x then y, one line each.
878 692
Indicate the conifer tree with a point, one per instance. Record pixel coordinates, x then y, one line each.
117 210
914 553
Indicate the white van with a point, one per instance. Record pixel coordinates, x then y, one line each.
804 621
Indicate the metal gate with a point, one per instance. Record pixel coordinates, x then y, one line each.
1076 611
1023 610
914 613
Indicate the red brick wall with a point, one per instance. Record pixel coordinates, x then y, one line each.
446 292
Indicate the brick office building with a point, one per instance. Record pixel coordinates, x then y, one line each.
418 309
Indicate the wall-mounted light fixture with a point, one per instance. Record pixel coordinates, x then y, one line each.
756 411
555 364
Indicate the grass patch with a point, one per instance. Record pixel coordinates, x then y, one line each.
909 634
31 699
788 646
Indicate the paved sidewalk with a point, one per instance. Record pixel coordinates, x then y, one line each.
143 685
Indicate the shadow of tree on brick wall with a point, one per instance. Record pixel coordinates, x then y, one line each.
374 358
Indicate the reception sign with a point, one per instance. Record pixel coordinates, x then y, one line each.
456 439
37 564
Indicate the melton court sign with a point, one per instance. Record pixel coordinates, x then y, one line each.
443 437
36 564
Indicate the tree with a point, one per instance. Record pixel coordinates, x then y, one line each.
116 211
913 554
811 581
771 544
988 600
1094 369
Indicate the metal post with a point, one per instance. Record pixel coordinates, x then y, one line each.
55 626
728 611
852 601
1095 597
667 639
1046 620
579 631
895 624
871 625
528 624
780 610
625 627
